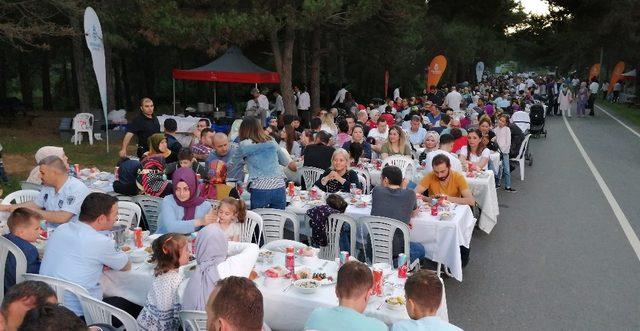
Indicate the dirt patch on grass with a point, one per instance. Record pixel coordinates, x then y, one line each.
18 164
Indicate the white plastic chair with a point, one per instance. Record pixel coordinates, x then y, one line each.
333 231
20 196
281 245
248 228
30 186
274 221
521 158
129 214
60 286
235 128
381 230
310 175
96 311
193 320
404 163
365 179
150 209
82 122
6 247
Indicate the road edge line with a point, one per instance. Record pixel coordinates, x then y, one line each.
617 211
619 121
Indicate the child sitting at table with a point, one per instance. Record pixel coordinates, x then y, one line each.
318 217
24 230
231 214
160 312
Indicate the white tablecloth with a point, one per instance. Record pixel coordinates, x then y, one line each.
441 239
289 310
185 124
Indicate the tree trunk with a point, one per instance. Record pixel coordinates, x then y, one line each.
4 74
341 65
111 91
284 60
46 82
78 64
315 68
303 63
117 83
26 89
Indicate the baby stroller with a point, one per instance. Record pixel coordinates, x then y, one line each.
536 116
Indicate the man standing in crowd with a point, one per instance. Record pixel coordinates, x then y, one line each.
143 127
443 182
353 290
593 93
453 99
79 252
278 105
170 128
304 103
61 196
435 95
423 291
340 95
258 106
235 304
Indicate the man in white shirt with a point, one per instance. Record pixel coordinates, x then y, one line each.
380 134
446 144
278 106
396 93
304 103
453 99
60 199
416 132
340 95
593 93
258 106
78 252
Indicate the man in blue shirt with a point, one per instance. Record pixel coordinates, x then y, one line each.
353 291
24 228
423 291
61 196
78 251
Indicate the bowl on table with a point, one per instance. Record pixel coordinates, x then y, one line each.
138 255
306 286
395 302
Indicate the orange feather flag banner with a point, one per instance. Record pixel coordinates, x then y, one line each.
594 72
436 69
616 75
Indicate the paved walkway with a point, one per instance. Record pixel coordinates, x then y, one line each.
558 258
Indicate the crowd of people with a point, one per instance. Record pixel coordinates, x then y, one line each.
450 130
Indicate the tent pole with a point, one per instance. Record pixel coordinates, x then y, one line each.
174 97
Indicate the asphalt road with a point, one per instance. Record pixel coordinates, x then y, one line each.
558 258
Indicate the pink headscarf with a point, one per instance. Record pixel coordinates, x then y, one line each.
189 177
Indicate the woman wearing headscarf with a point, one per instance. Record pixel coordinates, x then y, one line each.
431 143
184 211
216 259
151 178
42 153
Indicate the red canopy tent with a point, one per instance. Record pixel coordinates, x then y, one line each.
231 67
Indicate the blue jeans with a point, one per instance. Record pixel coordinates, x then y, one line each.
274 198
506 171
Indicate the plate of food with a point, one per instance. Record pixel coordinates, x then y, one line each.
323 278
265 256
395 302
125 248
306 286
445 215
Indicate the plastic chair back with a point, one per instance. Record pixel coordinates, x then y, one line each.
365 179
96 311
63 288
274 221
193 320
252 222
129 214
333 232
404 163
150 209
6 247
20 196
381 230
310 175
30 186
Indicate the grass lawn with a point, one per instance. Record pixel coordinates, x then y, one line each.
628 112
21 142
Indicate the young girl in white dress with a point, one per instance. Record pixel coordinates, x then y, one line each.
160 312
231 213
